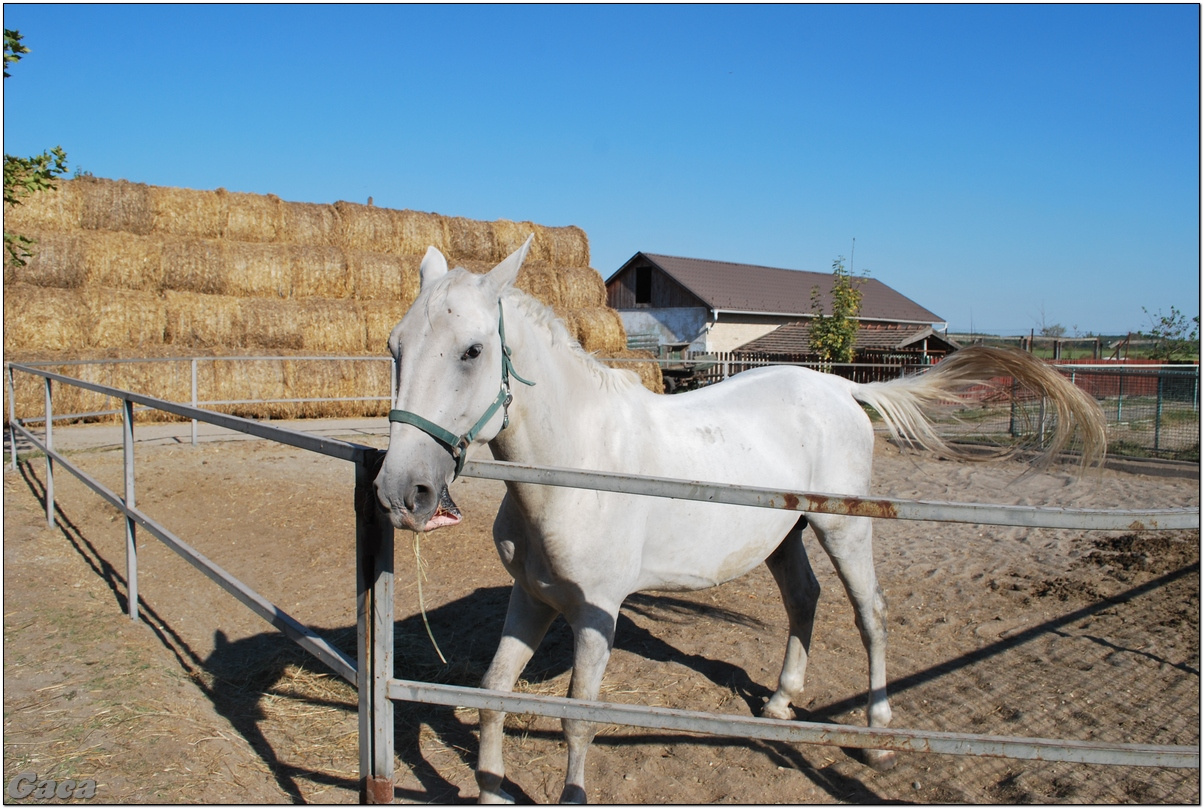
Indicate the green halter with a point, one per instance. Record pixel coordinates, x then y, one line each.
457 445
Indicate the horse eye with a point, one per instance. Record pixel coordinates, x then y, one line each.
472 353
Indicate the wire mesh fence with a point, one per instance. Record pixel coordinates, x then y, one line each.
1151 410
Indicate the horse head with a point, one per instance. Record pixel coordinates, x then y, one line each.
453 377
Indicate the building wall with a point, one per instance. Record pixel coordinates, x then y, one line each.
732 332
679 325
662 292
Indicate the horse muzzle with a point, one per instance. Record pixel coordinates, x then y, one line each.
417 506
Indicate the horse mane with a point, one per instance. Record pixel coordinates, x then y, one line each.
546 319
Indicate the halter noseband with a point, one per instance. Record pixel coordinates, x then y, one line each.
457 445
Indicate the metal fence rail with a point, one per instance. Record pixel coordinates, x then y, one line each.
372 672
1151 409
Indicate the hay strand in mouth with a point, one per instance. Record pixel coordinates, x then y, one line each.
421 600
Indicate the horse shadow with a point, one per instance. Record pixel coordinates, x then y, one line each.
238 677
467 631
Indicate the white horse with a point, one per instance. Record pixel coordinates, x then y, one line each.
580 553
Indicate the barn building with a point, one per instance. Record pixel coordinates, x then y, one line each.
669 304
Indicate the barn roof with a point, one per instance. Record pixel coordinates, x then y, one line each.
795 338
770 290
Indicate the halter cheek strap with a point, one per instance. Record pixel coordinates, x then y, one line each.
458 445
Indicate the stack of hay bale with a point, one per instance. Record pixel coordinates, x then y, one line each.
125 269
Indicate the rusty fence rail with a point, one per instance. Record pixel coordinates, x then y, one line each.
372 670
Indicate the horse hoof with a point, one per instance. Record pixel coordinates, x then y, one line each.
770 711
573 794
881 760
500 796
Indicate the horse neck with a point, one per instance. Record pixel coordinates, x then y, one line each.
566 392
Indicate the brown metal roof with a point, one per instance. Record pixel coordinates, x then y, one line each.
752 288
794 338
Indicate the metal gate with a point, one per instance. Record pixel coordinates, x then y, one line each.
372 671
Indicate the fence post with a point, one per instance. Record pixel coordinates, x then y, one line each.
12 417
1120 393
131 528
374 634
1012 429
49 461
194 399
1158 410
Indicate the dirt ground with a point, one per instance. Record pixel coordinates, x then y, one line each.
1004 631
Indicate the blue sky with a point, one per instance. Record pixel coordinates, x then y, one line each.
1003 165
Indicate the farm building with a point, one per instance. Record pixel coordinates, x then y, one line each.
758 312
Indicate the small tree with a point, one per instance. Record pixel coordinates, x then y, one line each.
1176 337
26 175
833 335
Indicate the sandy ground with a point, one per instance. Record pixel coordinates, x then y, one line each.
1006 631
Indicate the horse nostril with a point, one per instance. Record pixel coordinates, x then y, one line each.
421 499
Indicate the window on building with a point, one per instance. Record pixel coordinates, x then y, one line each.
643 285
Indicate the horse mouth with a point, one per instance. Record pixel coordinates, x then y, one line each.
446 514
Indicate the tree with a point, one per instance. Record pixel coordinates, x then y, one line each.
1176 337
26 175
833 335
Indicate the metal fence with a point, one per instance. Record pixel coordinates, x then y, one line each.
372 670
1152 410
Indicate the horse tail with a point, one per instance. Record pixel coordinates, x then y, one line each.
901 402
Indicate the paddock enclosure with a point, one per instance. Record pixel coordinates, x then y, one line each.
1001 631
1047 646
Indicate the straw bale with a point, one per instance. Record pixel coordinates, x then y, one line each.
566 246
315 325
342 378
581 288
194 265
271 324
541 281
121 317
328 326
598 329
60 208
469 240
121 260
253 217
417 230
319 272
508 236
363 227
197 321
538 279
115 205
43 318
57 261
224 381
379 319
309 223
186 212
382 277
562 246
648 372
253 270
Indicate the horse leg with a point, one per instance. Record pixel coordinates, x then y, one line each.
527 621
800 593
593 637
849 542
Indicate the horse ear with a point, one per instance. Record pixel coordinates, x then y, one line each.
503 274
433 267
